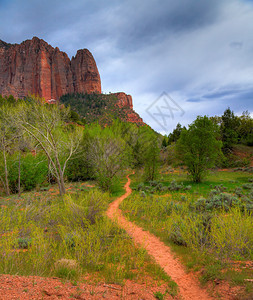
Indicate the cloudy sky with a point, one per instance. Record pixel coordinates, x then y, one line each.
178 59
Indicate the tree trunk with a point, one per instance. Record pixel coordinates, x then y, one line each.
61 178
6 173
63 189
49 172
59 185
19 175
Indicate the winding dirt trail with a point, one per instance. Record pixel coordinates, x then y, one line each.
189 288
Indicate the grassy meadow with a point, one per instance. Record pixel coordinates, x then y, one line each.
45 234
208 224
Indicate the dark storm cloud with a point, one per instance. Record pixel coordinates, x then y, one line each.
129 24
139 23
199 52
46 17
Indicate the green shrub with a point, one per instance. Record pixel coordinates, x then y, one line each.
84 209
159 295
176 233
154 183
156 186
78 169
34 171
67 269
233 161
174 186
24 243
232 235
238 191
200 204
217 200
247 186
71 238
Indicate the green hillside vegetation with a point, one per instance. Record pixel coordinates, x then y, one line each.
94 107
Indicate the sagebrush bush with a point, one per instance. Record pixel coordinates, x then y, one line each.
247 186
220 200
174 186
176 233
156 186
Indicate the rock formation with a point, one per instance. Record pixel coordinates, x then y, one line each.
34 67
124 100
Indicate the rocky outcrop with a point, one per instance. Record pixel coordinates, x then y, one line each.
35 67
133 117
124 100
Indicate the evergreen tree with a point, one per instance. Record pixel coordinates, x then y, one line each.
175 135
245 130
229 128
164 142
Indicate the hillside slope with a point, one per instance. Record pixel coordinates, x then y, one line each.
102 108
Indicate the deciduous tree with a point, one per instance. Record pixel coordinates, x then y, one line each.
198 147
46 124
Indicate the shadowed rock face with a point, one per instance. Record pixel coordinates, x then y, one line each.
34 67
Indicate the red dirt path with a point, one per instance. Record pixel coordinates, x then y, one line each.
189 288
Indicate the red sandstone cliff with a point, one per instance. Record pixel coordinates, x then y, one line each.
34 67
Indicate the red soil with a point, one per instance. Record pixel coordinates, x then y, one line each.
33 287
188 285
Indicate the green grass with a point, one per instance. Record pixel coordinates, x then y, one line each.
229 179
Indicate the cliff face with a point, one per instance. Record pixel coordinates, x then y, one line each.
34 67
